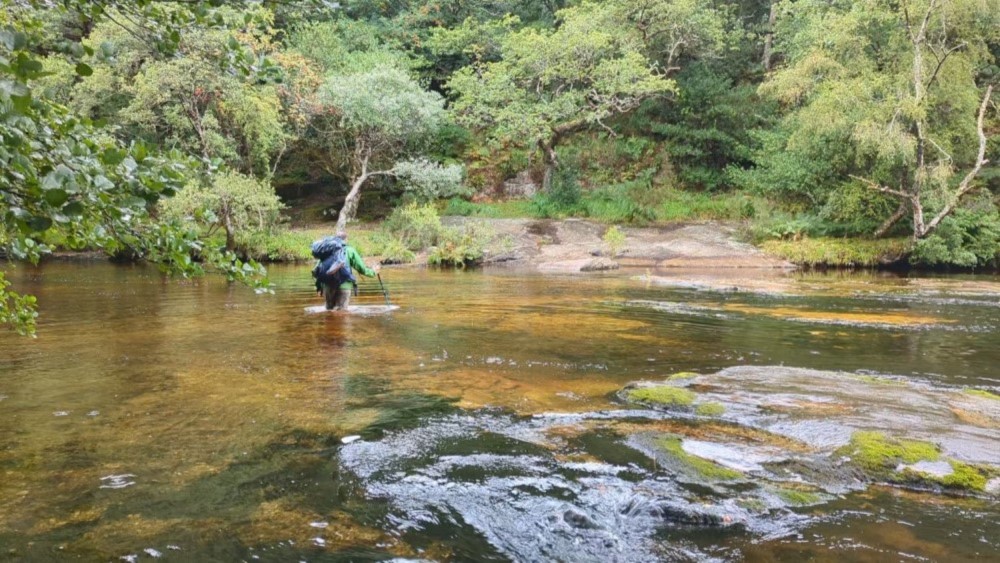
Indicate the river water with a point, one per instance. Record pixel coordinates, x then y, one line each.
196 421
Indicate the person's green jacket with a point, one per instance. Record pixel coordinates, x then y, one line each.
357 264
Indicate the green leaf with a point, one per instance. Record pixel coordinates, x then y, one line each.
13 40
134 202
39 224
113 156
56 197
73 209
21 103
84 69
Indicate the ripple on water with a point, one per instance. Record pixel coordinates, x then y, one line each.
117 481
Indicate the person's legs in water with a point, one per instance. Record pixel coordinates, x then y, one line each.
337 298
330 295
343 297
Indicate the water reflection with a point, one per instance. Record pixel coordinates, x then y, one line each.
220 412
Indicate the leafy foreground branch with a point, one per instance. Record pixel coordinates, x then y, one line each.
64 178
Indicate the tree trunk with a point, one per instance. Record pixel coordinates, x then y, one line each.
892 220
551 163
230 237
350 207
769 37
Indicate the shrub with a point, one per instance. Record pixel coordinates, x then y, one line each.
240 205
461 247
462 208
415 226
968 238
614 241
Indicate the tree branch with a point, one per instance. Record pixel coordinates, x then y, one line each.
966 184
892 220
941 61
884 189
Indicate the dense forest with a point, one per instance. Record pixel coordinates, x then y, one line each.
186 133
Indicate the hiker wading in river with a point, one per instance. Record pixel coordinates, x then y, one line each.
334 273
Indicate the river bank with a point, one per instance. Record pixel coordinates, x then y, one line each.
709 253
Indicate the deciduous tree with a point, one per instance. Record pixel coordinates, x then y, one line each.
552 82
901 84
376 123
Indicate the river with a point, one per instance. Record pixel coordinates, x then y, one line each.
197 421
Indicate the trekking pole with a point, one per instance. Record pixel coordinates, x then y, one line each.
385 292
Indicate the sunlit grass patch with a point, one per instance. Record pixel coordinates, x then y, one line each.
853 252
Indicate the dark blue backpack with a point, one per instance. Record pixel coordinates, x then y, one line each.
324 247
334 267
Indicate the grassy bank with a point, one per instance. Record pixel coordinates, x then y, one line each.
840 252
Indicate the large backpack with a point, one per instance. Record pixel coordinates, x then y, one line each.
324 247
334 267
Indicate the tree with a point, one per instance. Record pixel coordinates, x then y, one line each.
900 85
233 202
191 102
373 124
552 82
61 174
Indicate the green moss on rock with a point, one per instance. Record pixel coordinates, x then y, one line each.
796 497
881 457
879 454
663 395
700 467
983 394
878 380
966 476
710 409
684 375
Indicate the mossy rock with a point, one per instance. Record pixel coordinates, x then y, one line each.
683 375
892 459
871 379
710 409
879 455
662 395
983 394
694 466
967 476
796 497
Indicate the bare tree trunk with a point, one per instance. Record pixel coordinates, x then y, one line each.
350 207
230 236
551 163
769 36
911 193
966 184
